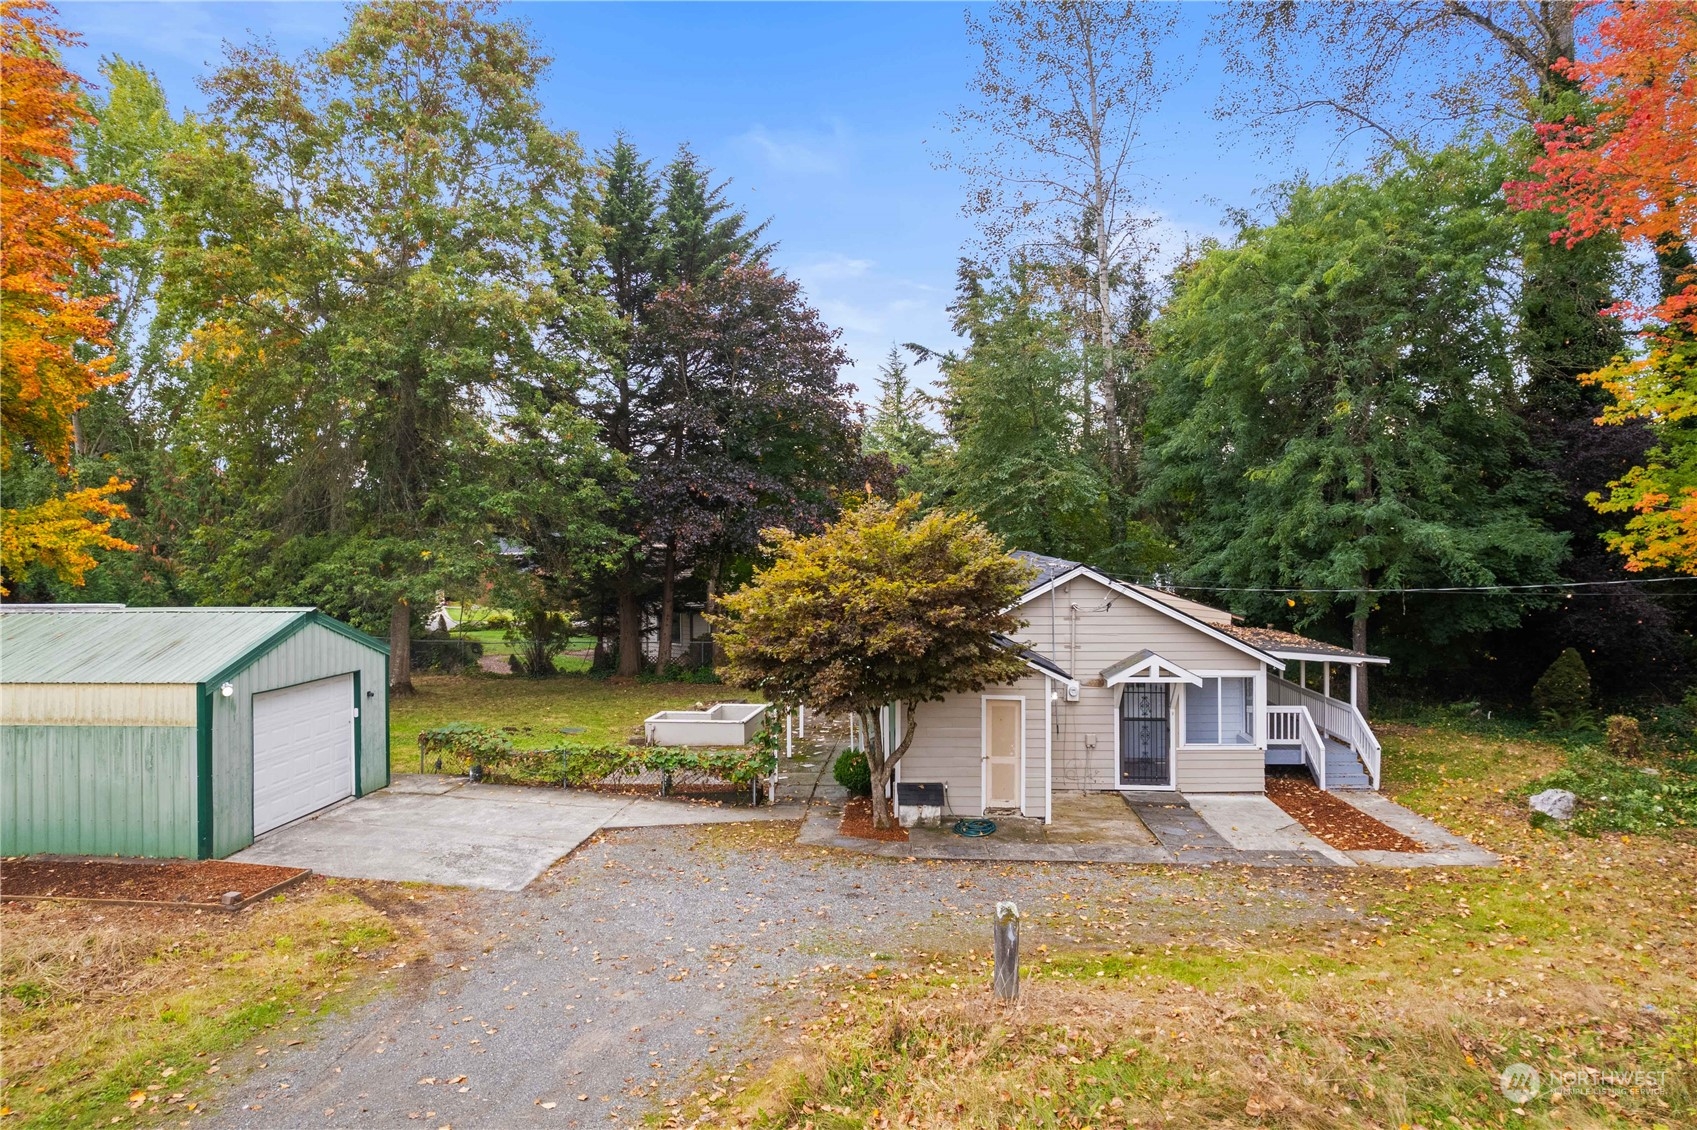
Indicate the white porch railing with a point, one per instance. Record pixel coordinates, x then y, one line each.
1293 725
1333 717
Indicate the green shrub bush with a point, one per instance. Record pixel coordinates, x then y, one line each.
1623 798
457 746
853 774
1562 695
1625 739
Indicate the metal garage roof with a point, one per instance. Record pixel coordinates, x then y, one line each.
92 644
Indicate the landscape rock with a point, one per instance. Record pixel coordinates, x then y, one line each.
1557 804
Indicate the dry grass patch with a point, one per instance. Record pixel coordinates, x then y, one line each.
120 1014
1296 998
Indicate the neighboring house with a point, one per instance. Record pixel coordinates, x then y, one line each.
181 731
692 636
1135 689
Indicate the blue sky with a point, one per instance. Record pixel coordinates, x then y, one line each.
824 116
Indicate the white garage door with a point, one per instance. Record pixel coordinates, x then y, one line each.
303 750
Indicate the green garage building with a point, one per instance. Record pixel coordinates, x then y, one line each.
181 732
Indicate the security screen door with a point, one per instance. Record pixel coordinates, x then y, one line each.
1145 751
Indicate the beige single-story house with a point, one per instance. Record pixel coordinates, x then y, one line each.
1132 688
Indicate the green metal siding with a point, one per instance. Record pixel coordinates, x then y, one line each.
98 790
313 652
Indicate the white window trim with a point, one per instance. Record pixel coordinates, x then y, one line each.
1172 744
984 702
1257 712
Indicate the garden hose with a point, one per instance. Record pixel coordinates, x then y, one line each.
973 827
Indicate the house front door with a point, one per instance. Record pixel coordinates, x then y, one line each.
1145 749
1004 718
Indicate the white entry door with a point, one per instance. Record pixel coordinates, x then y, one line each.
303 750
1004 725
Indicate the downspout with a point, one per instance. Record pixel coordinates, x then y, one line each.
1048 751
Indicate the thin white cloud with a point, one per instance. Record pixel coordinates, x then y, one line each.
835 267
874 311
195 33
801 152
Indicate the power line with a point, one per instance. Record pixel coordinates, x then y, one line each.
1533 589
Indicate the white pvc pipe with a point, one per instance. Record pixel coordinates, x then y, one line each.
789 738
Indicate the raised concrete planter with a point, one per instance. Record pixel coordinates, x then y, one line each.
729 723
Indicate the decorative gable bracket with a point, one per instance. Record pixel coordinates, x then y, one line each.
1147 667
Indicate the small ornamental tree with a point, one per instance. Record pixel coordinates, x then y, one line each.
885 606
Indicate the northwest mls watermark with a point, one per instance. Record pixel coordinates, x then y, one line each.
1521 1082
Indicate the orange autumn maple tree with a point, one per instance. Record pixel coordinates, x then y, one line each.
1634 171
54 344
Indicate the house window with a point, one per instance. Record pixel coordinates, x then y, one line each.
1220 712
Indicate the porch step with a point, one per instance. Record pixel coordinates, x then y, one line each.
1344 769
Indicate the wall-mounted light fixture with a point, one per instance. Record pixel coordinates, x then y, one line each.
227 690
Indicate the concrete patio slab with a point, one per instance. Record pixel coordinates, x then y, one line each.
451 832
1250 822
1096 818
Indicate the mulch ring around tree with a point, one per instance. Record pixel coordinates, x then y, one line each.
857 822
1337 822
175 882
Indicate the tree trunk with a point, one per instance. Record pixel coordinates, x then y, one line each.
1358 640
630 629
400 648
668 609
882 763
713 607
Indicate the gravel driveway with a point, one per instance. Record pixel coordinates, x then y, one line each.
616 980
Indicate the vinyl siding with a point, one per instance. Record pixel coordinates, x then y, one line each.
313 653
1221 770
1071 626
98 790
948 746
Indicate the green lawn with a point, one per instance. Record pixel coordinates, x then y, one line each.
495 642
607 711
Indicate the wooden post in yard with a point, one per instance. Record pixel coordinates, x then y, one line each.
801 731
1005 933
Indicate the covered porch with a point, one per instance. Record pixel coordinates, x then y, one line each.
1315 727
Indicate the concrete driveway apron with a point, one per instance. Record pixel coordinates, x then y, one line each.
451 832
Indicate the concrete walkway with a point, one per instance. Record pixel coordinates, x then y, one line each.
1184 829
448 831
1443 847
1251 823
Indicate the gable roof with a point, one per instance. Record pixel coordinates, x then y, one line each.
1051 567
114 644
1033 657
1054 570
1271 645
1147 667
